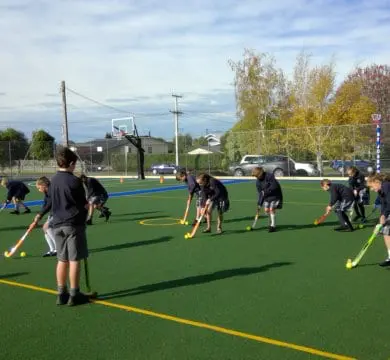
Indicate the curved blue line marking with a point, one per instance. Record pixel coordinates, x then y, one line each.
132 192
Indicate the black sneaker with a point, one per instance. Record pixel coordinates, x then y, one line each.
47 254
63 298
107 214
385 263
271 229
363 220
27 211
78 299
15 212
206 231
53 253
89 222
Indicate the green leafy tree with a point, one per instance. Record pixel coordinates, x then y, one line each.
13 146
184 142
42 145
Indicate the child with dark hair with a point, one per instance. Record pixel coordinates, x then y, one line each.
97 197
193 190
68 205
270 194
17 191
357 182
381 185
214 196
43 185
342 200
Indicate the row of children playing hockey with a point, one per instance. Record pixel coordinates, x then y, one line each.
96 195
210 193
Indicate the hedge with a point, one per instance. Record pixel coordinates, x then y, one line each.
193 162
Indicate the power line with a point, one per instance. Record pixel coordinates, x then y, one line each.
97 102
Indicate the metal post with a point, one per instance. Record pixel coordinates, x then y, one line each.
376 118
176 112
65 134
10 157
126 153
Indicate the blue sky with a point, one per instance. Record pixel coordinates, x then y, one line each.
132 55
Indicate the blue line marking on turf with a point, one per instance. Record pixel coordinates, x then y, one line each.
132 192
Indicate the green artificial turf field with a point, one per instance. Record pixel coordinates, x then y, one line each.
240 295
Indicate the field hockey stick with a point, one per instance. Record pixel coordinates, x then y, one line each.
4 206
321 219
20 241
185 214
90 294
355 262
198 221
255 220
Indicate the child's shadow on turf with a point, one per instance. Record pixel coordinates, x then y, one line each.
137 213
193 280
283 227
11 228
12 275
245 218
115 220
132 244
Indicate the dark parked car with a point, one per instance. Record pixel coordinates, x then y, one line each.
362 165
161 169
279 165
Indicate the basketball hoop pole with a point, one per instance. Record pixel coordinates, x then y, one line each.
376 118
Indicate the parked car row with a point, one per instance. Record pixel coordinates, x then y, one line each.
342 165
279 165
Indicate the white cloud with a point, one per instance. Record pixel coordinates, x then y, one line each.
141 51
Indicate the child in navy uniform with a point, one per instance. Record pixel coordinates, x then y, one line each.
270 194
68 205
381 185
43 185
96 196
357 182
215 196
193 189
17 191
342 199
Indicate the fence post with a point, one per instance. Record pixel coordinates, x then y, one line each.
10 157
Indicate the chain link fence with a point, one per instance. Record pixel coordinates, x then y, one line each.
329 149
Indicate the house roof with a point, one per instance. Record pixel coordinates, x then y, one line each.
205 150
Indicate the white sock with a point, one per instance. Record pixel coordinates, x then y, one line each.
272 219
388 250
50 240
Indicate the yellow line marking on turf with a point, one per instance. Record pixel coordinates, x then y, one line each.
149 222
197 324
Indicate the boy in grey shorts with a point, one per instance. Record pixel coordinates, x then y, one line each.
68 206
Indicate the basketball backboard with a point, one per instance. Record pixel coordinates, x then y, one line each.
122 126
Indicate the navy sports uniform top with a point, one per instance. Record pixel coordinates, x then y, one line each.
66 200
384 194
16 188
95 188
339 192
269 189
46 202
215 190
193 186
357 182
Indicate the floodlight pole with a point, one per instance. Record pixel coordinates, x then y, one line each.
176 112
65 132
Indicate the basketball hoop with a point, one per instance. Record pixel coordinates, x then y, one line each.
376 118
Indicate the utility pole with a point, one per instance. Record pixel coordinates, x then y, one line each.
65 134
176 112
